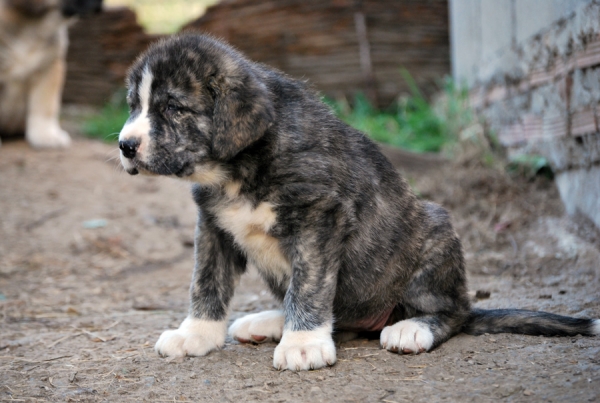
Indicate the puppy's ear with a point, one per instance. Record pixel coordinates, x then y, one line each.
243 111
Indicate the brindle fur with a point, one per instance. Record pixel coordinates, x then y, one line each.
360 245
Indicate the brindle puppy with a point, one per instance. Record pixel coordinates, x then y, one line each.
281 184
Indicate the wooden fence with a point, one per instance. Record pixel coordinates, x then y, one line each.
101 48
341 46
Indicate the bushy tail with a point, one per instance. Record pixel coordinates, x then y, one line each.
528 322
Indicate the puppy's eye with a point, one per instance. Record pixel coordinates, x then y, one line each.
172 108
132 108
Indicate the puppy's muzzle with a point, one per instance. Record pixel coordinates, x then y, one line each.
129 148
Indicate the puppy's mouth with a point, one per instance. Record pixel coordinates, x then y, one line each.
134 166
132 171
138 167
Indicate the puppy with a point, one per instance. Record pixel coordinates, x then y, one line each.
282 185
33 48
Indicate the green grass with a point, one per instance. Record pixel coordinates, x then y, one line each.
412 123
108 122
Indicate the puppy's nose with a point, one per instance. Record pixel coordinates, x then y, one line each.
129 147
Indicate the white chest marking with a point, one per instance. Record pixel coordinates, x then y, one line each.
250 229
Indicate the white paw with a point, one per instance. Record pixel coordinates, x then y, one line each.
194 337
258 327
304 350
407 336
49 135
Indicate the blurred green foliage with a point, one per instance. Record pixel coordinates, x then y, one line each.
108 122
412 122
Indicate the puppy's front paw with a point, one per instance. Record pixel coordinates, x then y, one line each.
304 350
407 336
194 337
258 327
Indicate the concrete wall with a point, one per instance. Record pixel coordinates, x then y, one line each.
481 30
533 69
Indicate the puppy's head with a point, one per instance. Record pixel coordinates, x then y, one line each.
195 103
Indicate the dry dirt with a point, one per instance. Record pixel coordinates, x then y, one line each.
95 264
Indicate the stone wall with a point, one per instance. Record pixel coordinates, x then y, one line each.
541 94
482 30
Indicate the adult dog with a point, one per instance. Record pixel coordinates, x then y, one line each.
283 185
33 48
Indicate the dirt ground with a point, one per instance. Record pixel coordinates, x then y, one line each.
95 264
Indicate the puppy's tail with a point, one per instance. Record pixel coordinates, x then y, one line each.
528 322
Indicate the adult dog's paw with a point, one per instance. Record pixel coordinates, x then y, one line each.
258 327
304 350
47 134
407 336
194 337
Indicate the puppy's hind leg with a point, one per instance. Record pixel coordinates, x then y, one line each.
419 334
434 302
424 330
258 327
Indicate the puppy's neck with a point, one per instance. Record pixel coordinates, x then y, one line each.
209 174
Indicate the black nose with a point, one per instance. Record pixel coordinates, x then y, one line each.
129 147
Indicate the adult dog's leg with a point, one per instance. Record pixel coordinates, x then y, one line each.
218 265
45 93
